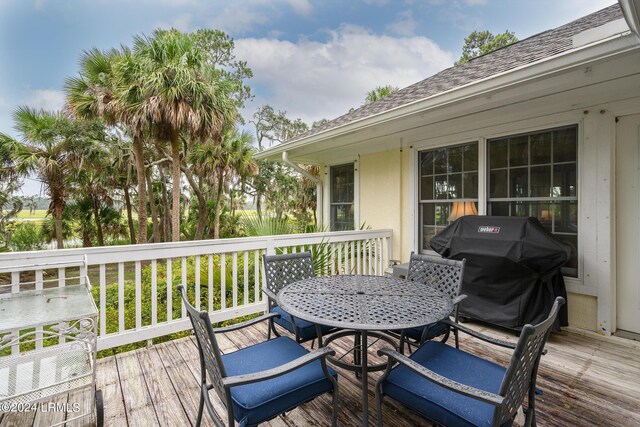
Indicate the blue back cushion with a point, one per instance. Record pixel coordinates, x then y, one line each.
441 405
306 330
258 402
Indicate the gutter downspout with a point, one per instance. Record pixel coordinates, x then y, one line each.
319 200
631 13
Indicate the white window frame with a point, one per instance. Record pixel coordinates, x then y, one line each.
356 192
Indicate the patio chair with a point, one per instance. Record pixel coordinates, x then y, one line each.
444 274
281 270
259 382
454 388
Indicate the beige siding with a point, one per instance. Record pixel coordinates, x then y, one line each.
383 203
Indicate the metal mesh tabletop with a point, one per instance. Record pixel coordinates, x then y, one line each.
37 375
364 302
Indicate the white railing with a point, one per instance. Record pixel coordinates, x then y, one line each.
135 285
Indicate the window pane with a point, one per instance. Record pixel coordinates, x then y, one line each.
498 184
565 145
442 214
426 188
543 211
518 183
566 218
441 187
541 181
426 163
498 153
341 217
564 180
342 184
499 208
520 209
470 182
455 159
518 151
440 161
541 148
471 157
427 235
455 186
428 214
571 267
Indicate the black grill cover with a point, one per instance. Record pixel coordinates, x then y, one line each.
512 273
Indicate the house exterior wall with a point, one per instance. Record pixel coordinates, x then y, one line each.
389 182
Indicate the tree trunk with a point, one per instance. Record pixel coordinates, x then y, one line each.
216 218
96 215
127 202
202 203
138 154
259 205
154 210
175 190
58 210
166 218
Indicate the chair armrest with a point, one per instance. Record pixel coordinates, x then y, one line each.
245 324
269 294
237 380
479 335
458 299
476 393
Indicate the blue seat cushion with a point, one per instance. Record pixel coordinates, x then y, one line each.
261 401
443 406
306 330
435 329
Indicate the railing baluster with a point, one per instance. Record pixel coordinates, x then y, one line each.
210 282
154 292
234 275
333 260
183 270
169 289
15 288
121 306
197 279
246 277
256 276
62 279
138 283
103 300
223 281
340 271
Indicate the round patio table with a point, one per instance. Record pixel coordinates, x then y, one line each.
365 305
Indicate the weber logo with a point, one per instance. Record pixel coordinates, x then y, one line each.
488 229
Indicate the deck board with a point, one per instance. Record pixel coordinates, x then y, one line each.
585 381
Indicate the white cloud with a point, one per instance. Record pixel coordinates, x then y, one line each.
38 5
239 17
47 99
404 24
314 80
475 2
376 2
301 7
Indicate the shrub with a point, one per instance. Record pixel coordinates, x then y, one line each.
27 236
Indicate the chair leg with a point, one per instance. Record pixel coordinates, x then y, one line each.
200 409
379 403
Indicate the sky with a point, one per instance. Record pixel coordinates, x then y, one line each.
313 59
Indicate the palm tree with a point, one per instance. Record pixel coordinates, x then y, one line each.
379 92
52 147
108 88
32 203
180 93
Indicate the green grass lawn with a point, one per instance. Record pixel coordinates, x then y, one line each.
37 214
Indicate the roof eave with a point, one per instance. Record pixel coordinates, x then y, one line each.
601 49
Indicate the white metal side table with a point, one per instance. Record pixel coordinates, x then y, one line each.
48 341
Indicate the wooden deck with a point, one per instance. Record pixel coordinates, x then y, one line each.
586 381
